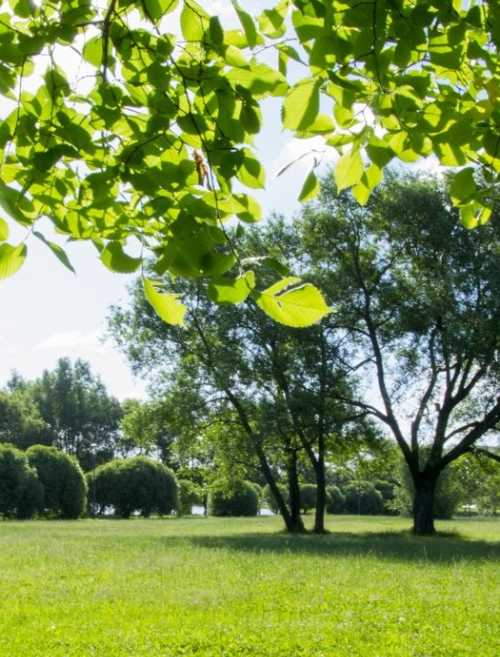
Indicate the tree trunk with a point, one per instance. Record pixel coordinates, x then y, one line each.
423 504
294 492
291 523
319 470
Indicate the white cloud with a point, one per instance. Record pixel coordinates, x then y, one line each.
73 341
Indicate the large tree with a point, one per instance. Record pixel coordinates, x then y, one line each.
420 295
150 136
280 386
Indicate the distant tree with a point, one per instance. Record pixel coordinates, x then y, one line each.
21 423
147 429
65 488
83 419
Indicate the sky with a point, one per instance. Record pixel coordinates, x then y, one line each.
48 313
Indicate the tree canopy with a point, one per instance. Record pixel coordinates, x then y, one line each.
420 296
68 407
144 146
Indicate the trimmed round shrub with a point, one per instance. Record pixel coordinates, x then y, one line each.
189 495
307 497
335 500
33 498
65 488
102 483
363 498
236 499
133 485
21 493
269 498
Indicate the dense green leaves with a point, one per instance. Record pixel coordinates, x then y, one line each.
155 126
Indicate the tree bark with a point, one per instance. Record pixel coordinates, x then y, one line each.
319 467
294 492
423 504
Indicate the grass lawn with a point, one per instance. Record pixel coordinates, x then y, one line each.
236 587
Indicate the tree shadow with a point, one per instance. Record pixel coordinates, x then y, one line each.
394 546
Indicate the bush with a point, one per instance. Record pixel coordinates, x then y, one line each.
65 488
269 499
235 499
102 484
33 497
307 497
21 493
136 484
259 490
189 495
363 498
388 492
335 500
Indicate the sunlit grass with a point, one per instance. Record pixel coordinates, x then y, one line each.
237 587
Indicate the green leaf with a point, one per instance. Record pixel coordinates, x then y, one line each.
23 8
194 21
232 290
462 186
93 51
166 306
293 303
301 105
259 80
272 23
310 189
234 57
11 259
251 211
58 251
4 230
117 260
251 172
349 170
247 24
13 202
155 9
473 215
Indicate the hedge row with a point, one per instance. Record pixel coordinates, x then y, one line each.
42 480
361 497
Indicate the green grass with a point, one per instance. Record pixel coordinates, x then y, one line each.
237 588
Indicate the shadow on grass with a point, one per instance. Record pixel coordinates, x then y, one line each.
394 546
